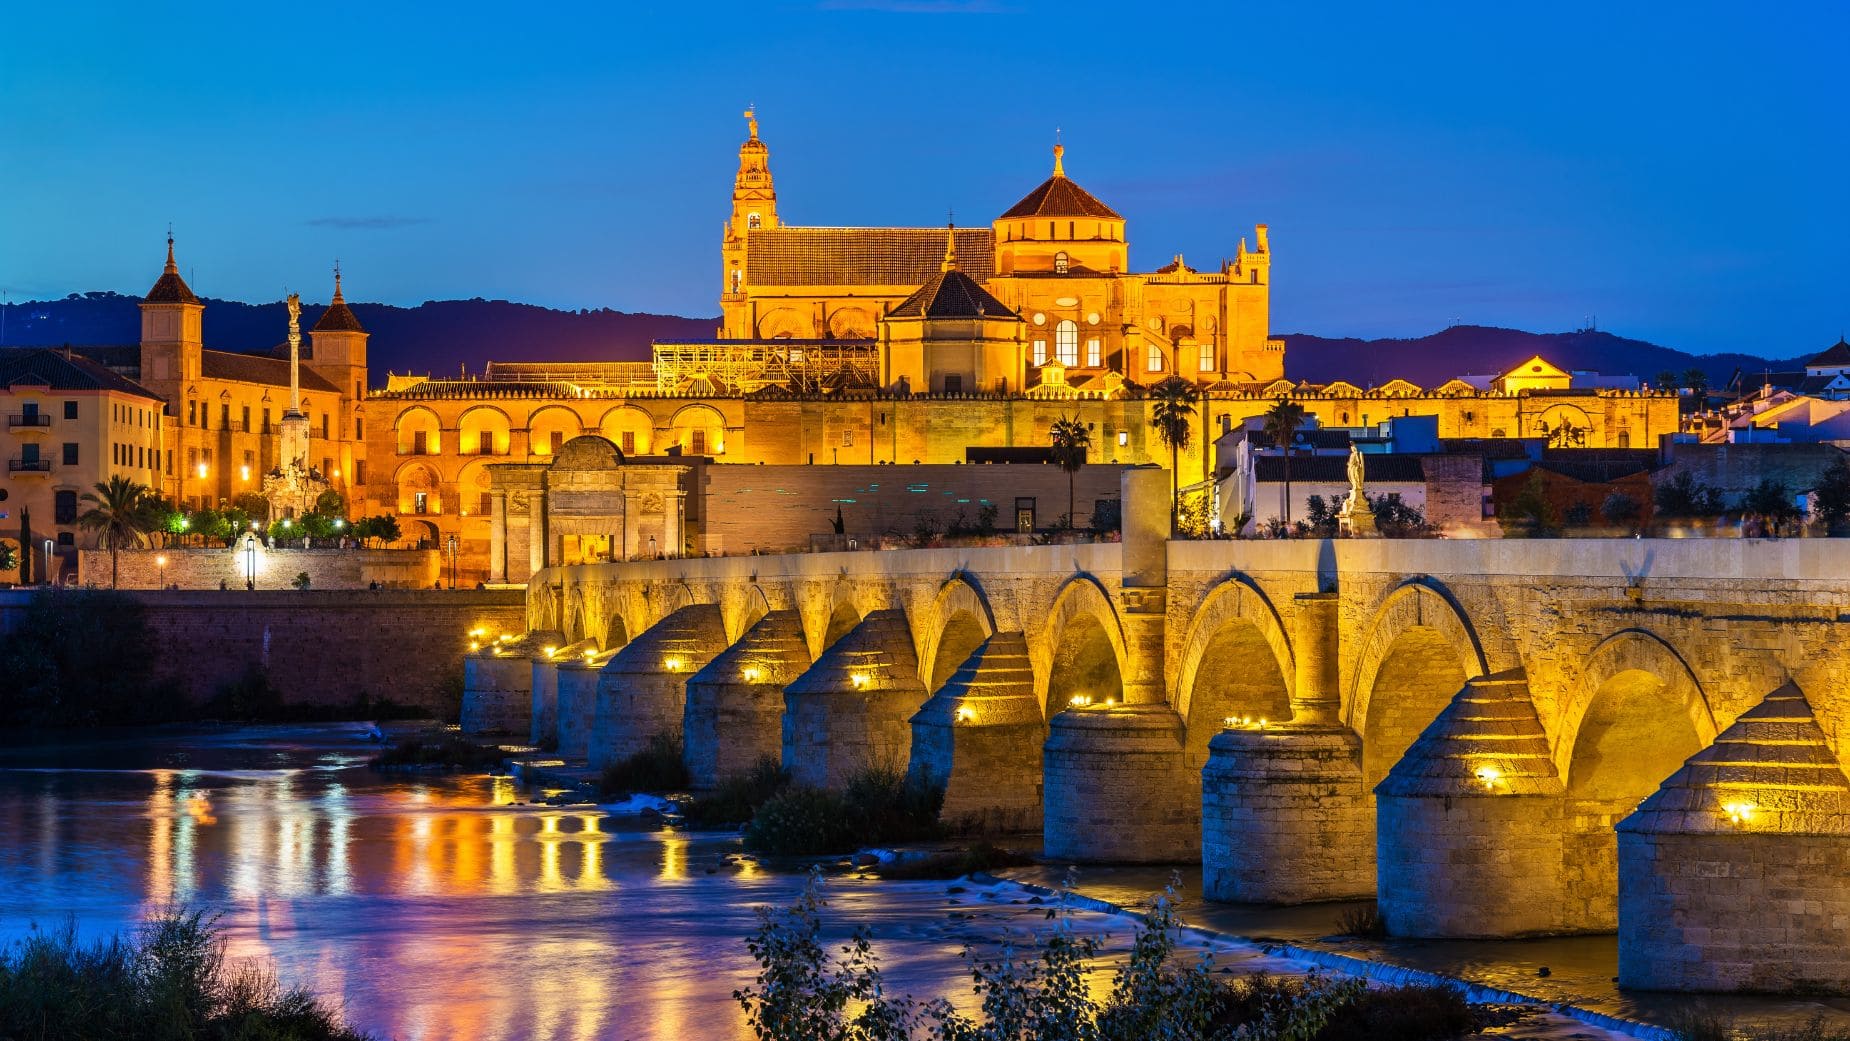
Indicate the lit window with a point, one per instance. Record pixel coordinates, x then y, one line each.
1207 357
752 220
1093 353
629 442
1040 352
847 439
698 442
1066 342
1060 263
1153 360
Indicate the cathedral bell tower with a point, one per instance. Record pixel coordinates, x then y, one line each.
754 206
172 339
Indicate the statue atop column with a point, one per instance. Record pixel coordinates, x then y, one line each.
1357 518
293 486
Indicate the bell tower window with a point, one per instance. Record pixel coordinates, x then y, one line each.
1060 263
752 220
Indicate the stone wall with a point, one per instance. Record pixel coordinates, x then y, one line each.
318 647
768 509
277 568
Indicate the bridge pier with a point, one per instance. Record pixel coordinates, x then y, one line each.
980 737
851 709
576 711
735 705
498 683
642 690
1286 816
545 687
1731 875
1118 789
1470 822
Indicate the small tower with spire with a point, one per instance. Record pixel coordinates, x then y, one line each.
337 346
172 332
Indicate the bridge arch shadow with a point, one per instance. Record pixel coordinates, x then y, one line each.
1418 651
957 622
1081 653
1235 661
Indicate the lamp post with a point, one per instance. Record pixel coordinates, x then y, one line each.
250 562
50 579
160 562
451 545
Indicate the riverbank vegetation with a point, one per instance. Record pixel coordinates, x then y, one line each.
169 980
440 751
656 769
1040 989
737 799
877 806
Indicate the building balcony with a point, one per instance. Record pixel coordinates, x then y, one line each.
28 466
29 421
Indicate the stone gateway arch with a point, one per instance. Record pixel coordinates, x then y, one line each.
1493 738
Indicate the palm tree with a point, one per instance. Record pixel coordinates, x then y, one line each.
1667 380
1698 383
1171 407
118 514
1282 421
1071 442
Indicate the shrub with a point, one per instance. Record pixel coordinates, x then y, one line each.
657 768
1578 515
876 806
737 798
170 981
447 751
1832 496
1684 496
1363 922
1620 510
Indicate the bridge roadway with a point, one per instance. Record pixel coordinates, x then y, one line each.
1464 729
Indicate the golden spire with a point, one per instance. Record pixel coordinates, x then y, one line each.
950 247
172 269
1059 168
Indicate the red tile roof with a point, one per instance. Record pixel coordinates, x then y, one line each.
862 256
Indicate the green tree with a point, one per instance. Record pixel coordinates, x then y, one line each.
1071 442
1698 383
1282 422
118 514
1833 496
1172 406
1621 510
330 504
1770 501
1682 495
25 545
9 556
1666 380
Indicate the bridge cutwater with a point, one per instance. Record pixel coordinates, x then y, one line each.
1492 738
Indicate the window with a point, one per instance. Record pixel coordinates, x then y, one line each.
70 453
1094 354
192 459
1206 362
557 441
1066 342
1153 359
64 507
697 443
486 504
1040 352
66 539
324 426
1024 516
31 411
953 383
359 428
266 420
752 220
420 442
629 442
224 416
359 471
247 419
70 410
484 442
847 439
1060 263
29 452
1124 438
192 413
420 502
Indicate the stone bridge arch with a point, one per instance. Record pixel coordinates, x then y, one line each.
1637 712
1235 660
574 626
1417 651
1082 649
744 611
958 620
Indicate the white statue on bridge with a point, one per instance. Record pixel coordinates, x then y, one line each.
1357 518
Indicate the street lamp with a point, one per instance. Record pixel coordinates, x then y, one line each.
160 561
50 579
452 548
250 561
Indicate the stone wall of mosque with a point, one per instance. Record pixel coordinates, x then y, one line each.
276 567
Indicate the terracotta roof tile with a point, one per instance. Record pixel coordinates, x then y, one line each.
338 318
952 294
54 369
256 368
1058 196
862 256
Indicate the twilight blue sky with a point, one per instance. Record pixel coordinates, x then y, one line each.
1680 171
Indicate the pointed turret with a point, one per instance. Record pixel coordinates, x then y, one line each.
170 288
950 248
172 335
338 317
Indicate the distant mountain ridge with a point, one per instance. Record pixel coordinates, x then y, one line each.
437 336
441 336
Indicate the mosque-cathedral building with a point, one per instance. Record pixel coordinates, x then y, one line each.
863 346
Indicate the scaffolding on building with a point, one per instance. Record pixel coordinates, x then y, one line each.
746 366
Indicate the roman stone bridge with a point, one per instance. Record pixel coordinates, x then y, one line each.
1464 729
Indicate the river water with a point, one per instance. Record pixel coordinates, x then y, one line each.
450 907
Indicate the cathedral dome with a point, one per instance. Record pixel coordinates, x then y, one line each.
1058 196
